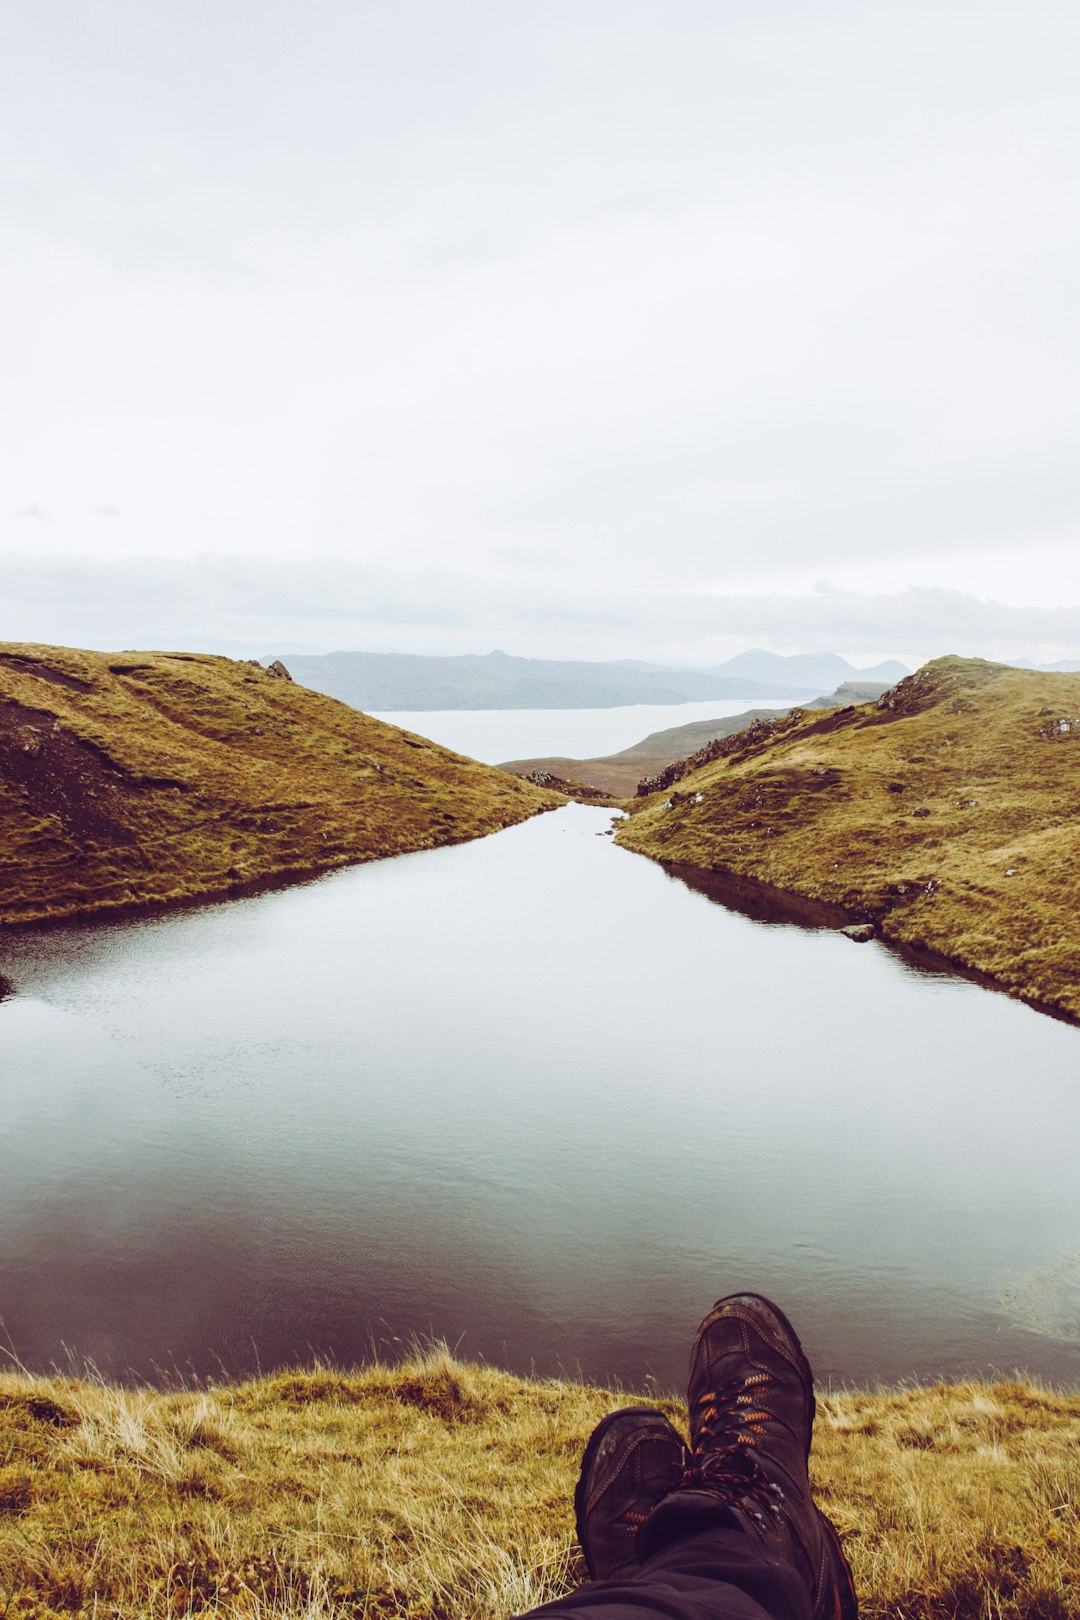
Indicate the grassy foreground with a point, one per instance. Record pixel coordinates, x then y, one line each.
946 813
136 778
440 1489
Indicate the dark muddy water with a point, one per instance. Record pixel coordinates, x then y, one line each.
538 1097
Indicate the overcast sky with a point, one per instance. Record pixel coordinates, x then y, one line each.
596 328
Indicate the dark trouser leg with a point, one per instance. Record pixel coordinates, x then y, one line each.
716 1574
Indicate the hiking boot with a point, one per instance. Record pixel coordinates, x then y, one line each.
751 1400
633 1459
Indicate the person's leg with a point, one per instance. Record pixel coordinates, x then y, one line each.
717 1574
735 1534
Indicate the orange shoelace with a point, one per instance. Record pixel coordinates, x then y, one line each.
731 1418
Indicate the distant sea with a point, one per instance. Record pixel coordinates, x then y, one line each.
495 735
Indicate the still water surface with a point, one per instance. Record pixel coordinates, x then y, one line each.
497 735
536 1096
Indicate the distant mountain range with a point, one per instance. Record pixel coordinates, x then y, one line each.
410 681
821 671
377 681
1064 666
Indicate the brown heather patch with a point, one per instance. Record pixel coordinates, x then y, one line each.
437 1488
149 778
948 813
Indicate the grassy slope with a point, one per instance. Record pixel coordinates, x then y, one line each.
439 1489
619 774
127 779
946 812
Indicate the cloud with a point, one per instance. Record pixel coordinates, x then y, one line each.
36 514
665 304
354 604
105 511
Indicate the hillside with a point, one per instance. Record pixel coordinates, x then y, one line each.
403 681
436 1488
946 813
152 777
619 774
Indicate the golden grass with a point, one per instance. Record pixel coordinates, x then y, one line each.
439 1489
618 774
615 779
136 778
947 813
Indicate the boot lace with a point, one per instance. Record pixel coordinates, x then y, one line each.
731 1418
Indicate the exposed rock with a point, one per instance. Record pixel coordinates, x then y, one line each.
1067 725
6 987
861 933
920 810
756 734
935 682
579 791
278 668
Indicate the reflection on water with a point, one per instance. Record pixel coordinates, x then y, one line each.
758 901
764 904
534 1095
1047 1299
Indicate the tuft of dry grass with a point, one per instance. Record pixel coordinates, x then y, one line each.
437 1488
147 778
945 813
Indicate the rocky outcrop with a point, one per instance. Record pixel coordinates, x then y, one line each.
579 791
756 735
1066 725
